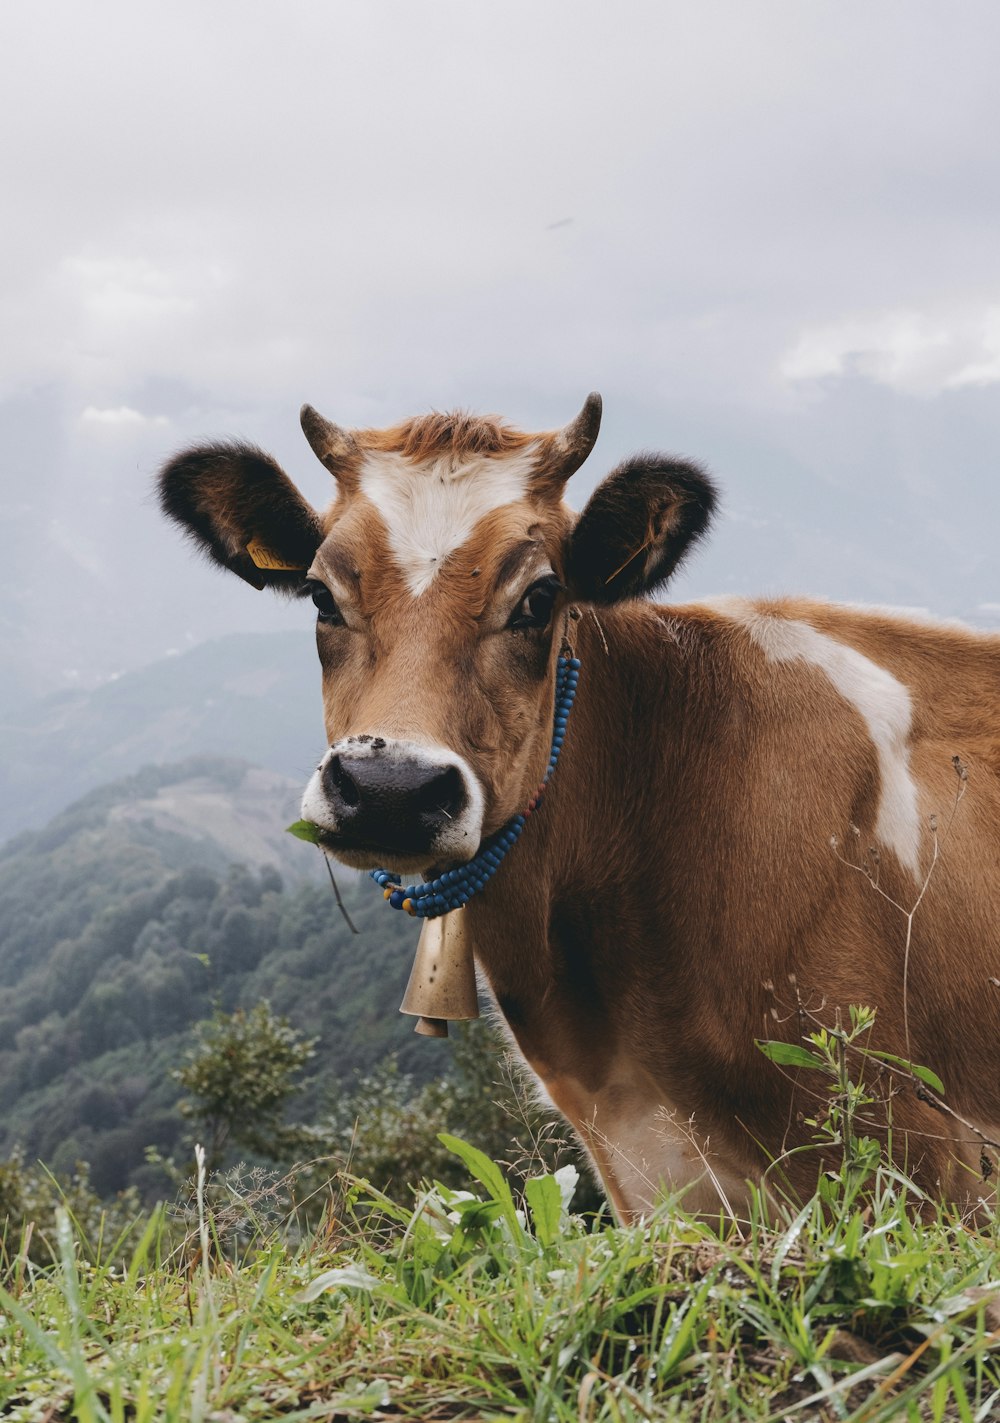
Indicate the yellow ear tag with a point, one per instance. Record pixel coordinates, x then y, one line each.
264 558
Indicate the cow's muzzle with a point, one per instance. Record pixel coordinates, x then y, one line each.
383 801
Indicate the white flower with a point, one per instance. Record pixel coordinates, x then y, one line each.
346 1277
567 1177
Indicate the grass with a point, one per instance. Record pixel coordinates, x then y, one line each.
481 1305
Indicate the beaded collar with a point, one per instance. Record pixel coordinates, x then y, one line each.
456 887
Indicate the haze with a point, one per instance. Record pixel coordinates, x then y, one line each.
767 233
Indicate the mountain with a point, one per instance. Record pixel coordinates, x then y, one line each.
253 696
124 921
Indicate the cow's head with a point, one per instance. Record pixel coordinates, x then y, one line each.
442 576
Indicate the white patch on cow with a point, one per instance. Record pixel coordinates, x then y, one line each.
430 509
643 1149
656 1152
921 617
458 840
881 700
734 604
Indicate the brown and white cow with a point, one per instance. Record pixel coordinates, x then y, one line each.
741 820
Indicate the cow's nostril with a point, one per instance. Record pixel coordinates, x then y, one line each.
444 794
343 782
400 802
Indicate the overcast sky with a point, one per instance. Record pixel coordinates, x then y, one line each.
767 232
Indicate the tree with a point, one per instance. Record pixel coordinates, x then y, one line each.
240 1075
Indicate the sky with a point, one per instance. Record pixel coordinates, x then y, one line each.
768 231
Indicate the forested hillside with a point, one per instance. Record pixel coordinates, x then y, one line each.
123 923
252 695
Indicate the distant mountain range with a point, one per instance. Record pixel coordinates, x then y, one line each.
124 921
254 696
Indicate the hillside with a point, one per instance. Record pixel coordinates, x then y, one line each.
124 921
253 696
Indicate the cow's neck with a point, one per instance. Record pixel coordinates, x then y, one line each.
581 946
576 890
595 841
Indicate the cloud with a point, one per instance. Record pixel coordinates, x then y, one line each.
913 352
122 416
365 207
986 369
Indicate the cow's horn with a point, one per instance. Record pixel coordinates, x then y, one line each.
573 444
336 448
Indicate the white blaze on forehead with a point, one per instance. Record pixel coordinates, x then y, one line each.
881 700
430 508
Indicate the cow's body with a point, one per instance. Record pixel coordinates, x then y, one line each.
715 770
749 802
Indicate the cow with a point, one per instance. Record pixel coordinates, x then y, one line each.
764 810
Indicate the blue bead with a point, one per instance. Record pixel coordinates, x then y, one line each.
396 898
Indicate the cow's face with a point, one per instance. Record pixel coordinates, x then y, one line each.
440 577
439 595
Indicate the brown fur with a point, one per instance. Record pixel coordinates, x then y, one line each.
454 433
685 884
679 896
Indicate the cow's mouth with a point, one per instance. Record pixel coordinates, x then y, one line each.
359 854
394 805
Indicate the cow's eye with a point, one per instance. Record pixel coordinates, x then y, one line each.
535 608
326 609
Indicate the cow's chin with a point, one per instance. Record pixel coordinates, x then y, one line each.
408 866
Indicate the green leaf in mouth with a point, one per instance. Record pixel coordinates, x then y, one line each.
306 830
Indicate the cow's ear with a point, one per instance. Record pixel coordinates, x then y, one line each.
241 508
637 527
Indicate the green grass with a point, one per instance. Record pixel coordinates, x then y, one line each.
481 1305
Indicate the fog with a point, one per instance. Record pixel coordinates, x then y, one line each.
768 234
